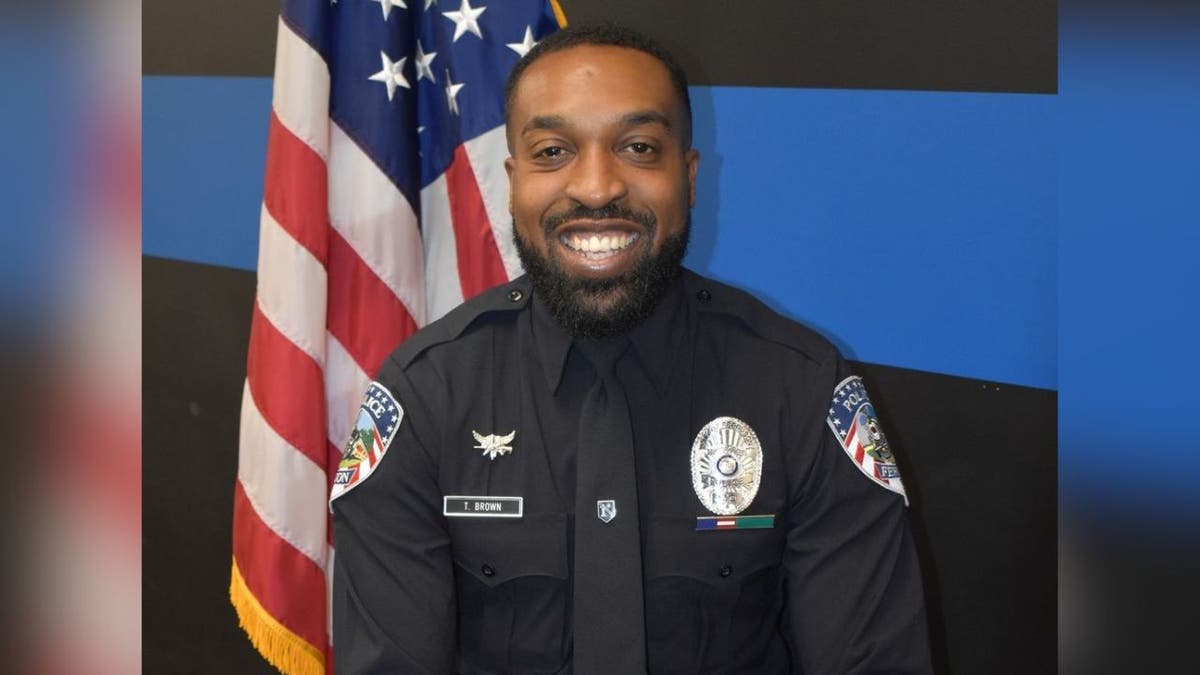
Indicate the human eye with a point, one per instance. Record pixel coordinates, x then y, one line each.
641 151
550 153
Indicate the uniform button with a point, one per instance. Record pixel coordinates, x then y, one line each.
515 295
703 295
487 570
725 571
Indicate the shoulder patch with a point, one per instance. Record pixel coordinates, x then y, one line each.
379 417
856 427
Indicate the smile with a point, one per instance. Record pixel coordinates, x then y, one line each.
598 246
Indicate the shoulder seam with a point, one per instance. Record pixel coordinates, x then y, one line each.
508 297
758 318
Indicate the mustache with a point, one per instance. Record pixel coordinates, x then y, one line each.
610 211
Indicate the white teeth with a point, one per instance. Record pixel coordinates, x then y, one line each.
597 246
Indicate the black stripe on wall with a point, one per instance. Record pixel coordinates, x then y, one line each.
953 45
978 459
195 330
980 465
214 37
950 45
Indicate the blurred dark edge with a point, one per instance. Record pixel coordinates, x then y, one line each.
1129 541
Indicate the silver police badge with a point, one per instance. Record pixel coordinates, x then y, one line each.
726 466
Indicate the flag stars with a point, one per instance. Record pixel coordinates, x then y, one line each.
522 48
466 20
387 5
422 62
452 92
391 74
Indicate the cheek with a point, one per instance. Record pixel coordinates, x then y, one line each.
527 218
669 200
530 196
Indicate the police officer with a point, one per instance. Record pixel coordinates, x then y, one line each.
612 464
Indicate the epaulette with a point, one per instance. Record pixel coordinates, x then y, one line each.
509 297
710 296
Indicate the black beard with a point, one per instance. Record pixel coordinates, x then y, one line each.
573 301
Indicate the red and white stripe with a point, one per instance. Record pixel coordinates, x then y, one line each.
344 275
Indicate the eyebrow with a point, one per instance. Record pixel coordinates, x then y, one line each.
637 119
628 120
544 122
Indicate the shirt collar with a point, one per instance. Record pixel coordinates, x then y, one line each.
654 341
551 342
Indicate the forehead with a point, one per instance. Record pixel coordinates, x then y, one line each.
594 79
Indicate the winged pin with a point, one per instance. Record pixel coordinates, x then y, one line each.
493 445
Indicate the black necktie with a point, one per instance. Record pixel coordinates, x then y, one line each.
610 635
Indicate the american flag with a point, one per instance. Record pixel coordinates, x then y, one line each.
384 206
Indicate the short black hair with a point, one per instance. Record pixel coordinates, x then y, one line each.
603 35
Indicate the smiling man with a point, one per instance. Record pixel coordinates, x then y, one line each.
611 464
603 178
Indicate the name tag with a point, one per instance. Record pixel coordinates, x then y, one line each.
466 506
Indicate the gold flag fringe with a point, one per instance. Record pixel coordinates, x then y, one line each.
290 653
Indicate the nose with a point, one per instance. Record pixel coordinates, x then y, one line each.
596 179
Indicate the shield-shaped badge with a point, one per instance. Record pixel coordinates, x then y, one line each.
726 466
606 510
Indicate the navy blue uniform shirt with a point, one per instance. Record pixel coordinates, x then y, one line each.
832 586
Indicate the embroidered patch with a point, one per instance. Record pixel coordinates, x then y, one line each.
853 421
378 419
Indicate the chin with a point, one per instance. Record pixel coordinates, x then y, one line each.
601 308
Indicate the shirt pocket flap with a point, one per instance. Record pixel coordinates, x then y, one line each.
495 551
715 557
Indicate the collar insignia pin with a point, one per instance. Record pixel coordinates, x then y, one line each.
493 445
606 509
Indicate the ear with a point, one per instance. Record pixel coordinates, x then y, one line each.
509 165
692 158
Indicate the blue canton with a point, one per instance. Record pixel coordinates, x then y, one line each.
410 80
